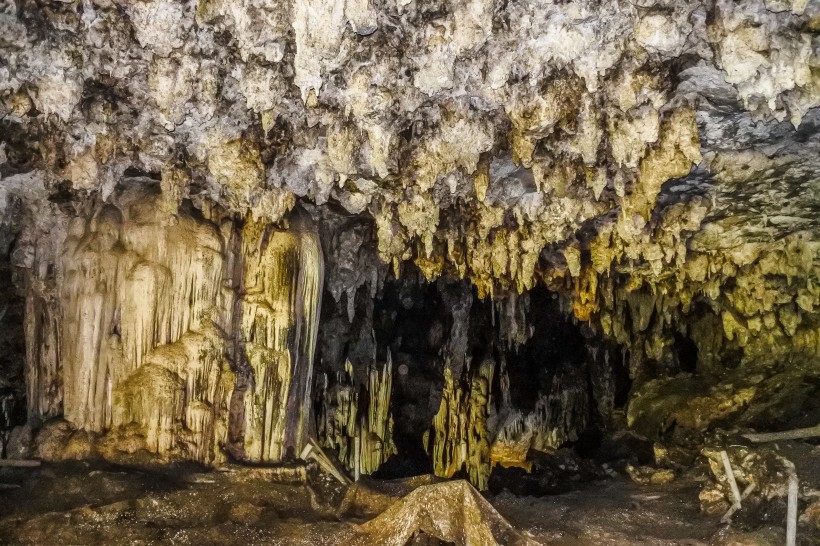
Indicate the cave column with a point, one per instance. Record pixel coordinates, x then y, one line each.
282 277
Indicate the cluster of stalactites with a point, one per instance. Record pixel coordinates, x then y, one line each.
521 204
145 306
141 306
363 439
511 314
762 297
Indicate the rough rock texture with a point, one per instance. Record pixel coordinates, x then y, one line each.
653 162
477 134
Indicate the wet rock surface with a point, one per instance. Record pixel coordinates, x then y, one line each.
75 503
566 499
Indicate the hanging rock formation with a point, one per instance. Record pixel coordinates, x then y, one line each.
282 285
133 322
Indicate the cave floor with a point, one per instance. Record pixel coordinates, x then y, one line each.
85 503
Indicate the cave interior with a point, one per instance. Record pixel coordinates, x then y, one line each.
408 272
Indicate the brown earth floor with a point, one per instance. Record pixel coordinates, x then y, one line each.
84 503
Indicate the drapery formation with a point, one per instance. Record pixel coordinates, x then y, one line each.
141 317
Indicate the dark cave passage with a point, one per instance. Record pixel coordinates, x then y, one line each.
550 375
12 355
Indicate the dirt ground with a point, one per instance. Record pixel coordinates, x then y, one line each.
84 503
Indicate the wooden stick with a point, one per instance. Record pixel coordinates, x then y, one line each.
319 456
791 514
730 475
356 457
796 434
731 512
20 463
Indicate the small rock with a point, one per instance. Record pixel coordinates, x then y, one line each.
245 513
672 456
20 443
713 501
79 446
52 439
811 516
646 475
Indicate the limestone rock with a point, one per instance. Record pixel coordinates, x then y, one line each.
646 475
164 167
20 442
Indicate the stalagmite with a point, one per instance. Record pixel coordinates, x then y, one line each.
375 433
461 434
363 440
478 436
448 446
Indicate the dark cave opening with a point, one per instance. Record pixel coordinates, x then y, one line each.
555 373
12 355
687 353
556 347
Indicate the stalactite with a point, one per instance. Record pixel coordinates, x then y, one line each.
459 301
146 307
514 328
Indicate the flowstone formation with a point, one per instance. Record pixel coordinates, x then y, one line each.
182 184
157 331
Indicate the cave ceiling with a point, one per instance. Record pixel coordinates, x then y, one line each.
648 155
